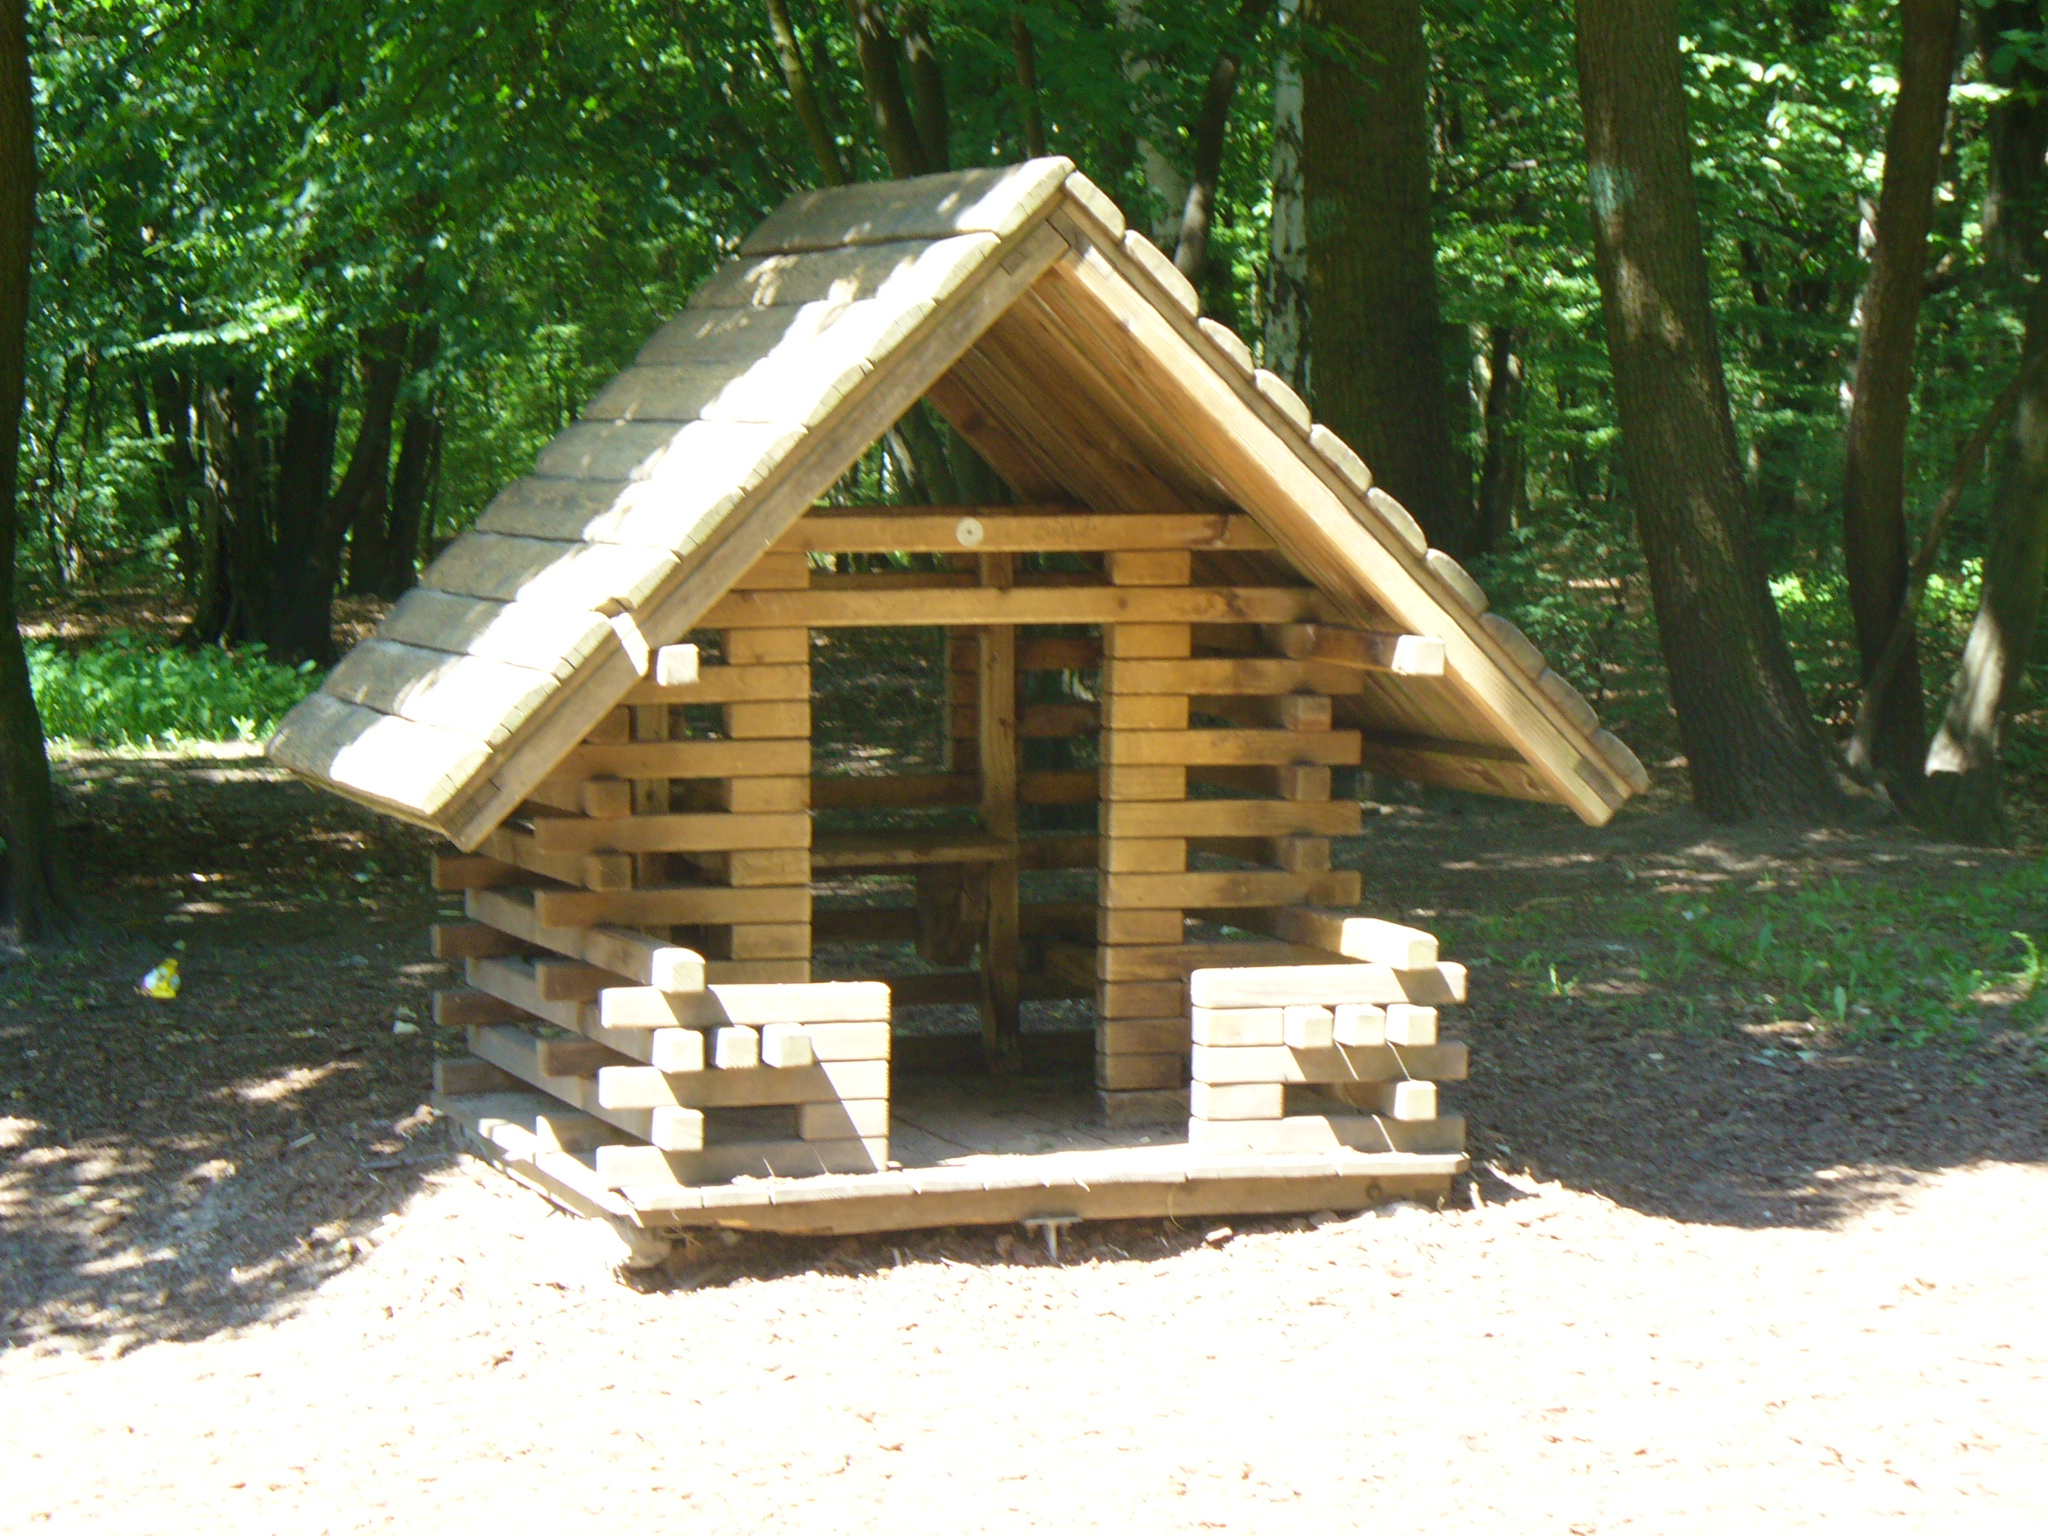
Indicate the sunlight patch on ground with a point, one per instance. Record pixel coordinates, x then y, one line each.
288 1084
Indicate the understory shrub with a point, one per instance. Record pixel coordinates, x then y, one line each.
127 692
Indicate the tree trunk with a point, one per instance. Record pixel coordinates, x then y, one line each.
927 87
1964 794
412 494
1874 541
1287 256
295 616
1169 188
1746 729
1376 325
37 904
1501 474
789 53
1198 212
362 503
882 76
1031 112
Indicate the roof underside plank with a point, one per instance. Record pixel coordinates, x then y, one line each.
1222 426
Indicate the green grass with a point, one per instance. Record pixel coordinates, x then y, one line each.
127 692
1912 959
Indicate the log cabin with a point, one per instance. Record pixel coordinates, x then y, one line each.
1170 625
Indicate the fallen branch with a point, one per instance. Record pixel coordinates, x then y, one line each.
1894 652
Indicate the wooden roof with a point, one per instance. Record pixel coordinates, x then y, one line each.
1066 348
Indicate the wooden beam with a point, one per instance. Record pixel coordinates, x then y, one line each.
666 906
838 792
996 743
1357 938
678 833
1017 605
1192 748
1227 888
1222 675
1018 529
1366 650
1325 527
1481 767
1232 818
651 961
728 685
690 759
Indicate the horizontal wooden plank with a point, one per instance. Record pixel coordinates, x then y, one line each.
1175 962
655 1176
1014 529
638 1087
729 685
1446 1063
688 759
681 833
1018 605
1478 767
1232 818
646 959
817 1002
1231 888
1220 675
1278 986
1364 650
837 792
1205 747
667 905
1328 1133
1360 938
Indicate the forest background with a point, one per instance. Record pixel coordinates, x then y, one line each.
310 281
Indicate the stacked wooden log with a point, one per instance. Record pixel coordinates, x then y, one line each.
1308 1058
676 1088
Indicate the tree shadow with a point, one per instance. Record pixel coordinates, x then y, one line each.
171 1167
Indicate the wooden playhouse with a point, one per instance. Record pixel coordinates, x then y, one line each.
684 942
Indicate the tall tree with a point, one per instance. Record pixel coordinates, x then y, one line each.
1205 134
1874 539
36 902
1743 720
1287 236
789 54
1375 322
1965 791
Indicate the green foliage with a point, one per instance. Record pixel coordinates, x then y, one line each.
1922 961
125 692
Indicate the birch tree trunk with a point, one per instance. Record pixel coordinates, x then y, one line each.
1874 539
1286 351
1747 732
1163 179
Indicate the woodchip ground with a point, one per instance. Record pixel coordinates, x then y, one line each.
1711 1281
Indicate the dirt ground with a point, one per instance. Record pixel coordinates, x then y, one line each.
1716 1265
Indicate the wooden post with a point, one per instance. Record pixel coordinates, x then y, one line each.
996 739
1141 1040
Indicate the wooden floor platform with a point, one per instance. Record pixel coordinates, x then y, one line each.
971 1149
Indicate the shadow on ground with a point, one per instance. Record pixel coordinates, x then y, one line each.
170 1169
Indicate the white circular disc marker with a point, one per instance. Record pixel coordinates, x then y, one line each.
970 533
